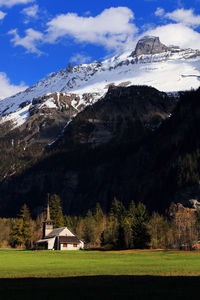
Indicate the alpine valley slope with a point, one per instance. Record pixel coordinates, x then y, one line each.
136 144
98 156
101 131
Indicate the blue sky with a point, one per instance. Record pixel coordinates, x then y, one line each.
39 36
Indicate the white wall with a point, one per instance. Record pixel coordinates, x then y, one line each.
51 243
81 245
70 247
48 230
66 232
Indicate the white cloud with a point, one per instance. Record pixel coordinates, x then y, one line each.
31 11
112 28
80 58
177 34
181 33
159 12
184 16
7 89
2 15
29 42
11 3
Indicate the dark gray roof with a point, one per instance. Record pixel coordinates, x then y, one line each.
69 240
45 240
55 232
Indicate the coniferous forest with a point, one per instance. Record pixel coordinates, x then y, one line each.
131 227
152 156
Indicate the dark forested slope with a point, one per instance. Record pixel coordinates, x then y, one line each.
126 145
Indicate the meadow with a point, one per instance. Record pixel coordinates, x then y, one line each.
98 274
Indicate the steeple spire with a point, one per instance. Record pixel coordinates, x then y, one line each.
48 219
47 224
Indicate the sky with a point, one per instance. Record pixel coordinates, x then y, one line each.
38 37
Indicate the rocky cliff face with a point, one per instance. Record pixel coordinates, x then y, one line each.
44 120
149 45
109 118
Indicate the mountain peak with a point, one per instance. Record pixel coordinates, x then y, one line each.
86 83
149 45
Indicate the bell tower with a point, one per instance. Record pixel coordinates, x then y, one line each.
47 224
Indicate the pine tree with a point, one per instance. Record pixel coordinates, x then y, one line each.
56 211
68 222
98 213
21 230
100 220
89 228
27 230
114 234
16 236
141 237
119 212
127 225
117 209
132 210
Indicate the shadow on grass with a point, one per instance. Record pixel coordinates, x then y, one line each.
101 287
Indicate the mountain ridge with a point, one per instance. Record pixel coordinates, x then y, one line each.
168 69
92 132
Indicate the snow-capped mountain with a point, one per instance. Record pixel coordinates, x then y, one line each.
168 69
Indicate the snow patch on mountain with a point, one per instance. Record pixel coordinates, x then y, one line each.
50 103
18 118
172 70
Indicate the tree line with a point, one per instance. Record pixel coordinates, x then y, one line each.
121 228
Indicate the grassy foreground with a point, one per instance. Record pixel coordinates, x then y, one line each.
97 275
18 264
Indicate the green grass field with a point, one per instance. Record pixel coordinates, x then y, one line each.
17 264
97 275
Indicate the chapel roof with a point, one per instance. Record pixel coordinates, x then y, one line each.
69 239
55 232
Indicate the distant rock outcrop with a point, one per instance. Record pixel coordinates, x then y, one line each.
149 45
